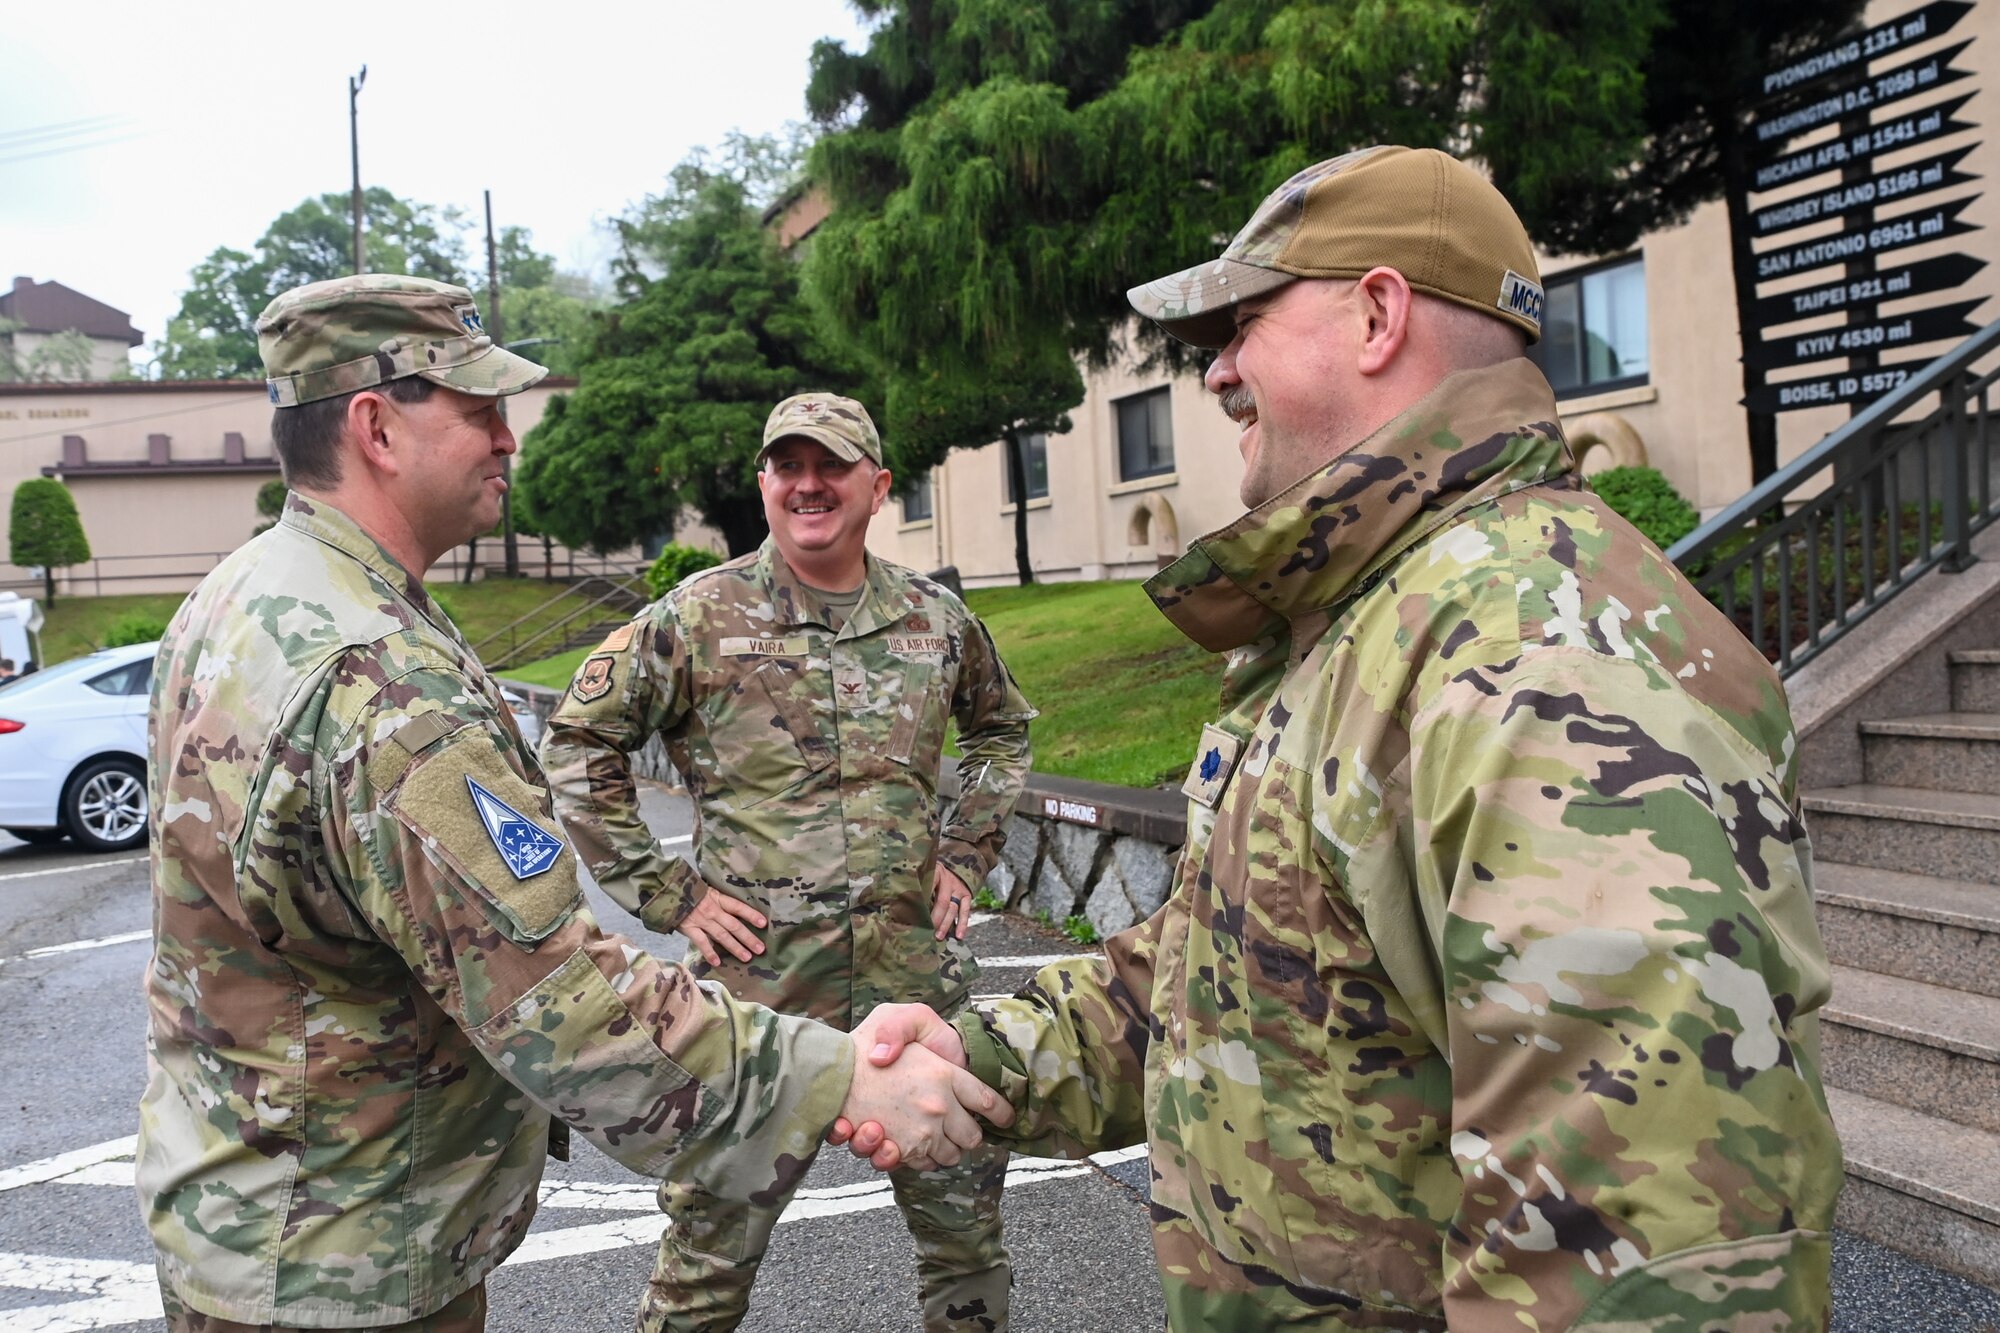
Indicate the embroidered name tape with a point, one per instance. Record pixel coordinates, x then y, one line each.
755 647
1519 296
918 645
526 847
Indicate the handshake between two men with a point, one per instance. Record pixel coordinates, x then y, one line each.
912 1100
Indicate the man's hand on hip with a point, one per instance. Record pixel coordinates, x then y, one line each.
719 920
951 902
913 1107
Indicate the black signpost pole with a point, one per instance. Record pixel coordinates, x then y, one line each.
1762 426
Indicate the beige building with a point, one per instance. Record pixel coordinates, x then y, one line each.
165 477
1643 348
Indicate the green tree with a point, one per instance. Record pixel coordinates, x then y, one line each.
1003 170
676 380
64 357
212 334
43 529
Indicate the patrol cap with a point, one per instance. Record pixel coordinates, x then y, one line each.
841 424
1424 213
329 338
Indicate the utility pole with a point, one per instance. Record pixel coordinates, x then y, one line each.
495 330
354 154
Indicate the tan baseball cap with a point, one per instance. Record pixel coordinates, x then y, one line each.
329 338
1424 213
841 424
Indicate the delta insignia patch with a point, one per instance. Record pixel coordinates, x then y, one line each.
526 847
594 681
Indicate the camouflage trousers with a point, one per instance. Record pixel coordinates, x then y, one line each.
465 1313
709 1256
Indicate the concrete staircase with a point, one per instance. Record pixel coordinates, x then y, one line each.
1907 875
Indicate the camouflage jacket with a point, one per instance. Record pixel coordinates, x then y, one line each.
374 978
1486 992
813 759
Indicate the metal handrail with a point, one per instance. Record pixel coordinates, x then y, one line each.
1881 477
517 648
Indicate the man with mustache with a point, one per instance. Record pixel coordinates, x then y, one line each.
804 693
1485 995
378 1000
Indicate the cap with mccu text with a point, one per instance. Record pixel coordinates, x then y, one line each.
841 424
1424 213
329 338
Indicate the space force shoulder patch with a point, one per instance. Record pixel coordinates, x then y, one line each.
525 847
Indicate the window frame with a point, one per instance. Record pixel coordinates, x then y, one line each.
1164 392
1028 466
920 482
1574 277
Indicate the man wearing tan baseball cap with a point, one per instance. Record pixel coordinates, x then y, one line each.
1485 995
806 691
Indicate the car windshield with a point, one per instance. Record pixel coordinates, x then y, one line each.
76 666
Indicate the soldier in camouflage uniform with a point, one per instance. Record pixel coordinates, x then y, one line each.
1485 996
804 691
377 998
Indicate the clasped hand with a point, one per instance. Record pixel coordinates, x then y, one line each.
912 1099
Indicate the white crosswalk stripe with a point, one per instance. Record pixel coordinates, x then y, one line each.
116 1292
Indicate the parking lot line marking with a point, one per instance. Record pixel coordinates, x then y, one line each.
1035 960
675 842
74 946
117 1292
63 1164
70 870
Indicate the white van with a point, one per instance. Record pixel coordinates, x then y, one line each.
20 630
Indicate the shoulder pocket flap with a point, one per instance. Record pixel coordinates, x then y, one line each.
485 822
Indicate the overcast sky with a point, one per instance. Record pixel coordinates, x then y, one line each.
203 122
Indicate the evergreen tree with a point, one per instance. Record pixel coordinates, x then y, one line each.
677 379
43 529
1003 170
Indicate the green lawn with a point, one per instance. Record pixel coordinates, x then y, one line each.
76 625
1122 695
554 672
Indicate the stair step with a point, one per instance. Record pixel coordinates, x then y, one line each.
1958 751
1942 931
1975 679
1927 1047
1952 835
1918 1184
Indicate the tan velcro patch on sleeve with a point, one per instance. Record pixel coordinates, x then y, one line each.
494 830
618 640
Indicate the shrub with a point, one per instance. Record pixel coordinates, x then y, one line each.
134 627
1080 929
1643 497
676 562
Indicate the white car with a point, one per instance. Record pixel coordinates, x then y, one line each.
73 750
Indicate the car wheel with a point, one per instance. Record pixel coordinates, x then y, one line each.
105 806
38 837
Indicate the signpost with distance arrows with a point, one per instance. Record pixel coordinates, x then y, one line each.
1882 199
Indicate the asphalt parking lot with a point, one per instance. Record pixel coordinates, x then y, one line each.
74 1255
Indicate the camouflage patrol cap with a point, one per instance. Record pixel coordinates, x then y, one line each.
329 338
1427 215
841 424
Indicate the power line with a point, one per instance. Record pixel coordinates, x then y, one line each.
61 129
71 148
72 429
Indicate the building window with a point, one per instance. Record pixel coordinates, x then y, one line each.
1034 459
1145 436
1594 329
916 498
